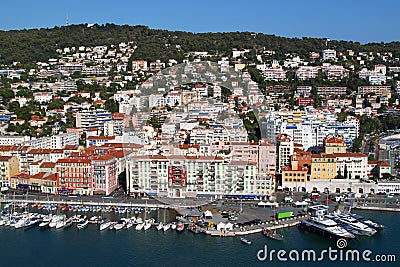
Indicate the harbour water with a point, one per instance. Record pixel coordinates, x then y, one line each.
90 247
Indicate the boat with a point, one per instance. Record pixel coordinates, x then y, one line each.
129 224
44 224
325 227
147 225
60 224
367 222
159 226
105 225
139 226
82 224
180 227
273 234
30 223
245 241
354 226
120 224
166 227
68 223
173 225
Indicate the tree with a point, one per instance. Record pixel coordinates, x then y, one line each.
111 105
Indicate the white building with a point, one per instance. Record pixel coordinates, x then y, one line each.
329 54
92 118
63 139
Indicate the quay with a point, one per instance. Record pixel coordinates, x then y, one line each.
284 223
387 207
87 203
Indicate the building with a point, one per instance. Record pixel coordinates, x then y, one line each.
104 174
323 166
6 140
8 167
334 145
332 90
61 140
194 176
75 176
92 118
113 128
302 101
328 54
285 148
294 176
352 165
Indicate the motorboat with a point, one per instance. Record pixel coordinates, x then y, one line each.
121 224
105 225
139 226
173 225
245 241
31 223
367 222
354 226
82 224
166 227
147 225
325 227
180 227
68 223
159 226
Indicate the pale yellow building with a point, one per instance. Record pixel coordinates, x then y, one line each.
8 167
334 145
323 166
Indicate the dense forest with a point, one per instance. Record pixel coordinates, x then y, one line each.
34 45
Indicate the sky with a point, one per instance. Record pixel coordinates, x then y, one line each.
352 20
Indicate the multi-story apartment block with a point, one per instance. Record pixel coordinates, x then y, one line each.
184 176
307 72
92 118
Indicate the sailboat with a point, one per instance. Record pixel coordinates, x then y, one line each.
271 233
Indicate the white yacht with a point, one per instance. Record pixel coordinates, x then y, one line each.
325 227
105 225
354 226
139 226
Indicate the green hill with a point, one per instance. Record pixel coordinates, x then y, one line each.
33 45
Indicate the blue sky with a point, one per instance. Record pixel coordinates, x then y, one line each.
356 20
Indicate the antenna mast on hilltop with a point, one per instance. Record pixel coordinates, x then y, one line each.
67 21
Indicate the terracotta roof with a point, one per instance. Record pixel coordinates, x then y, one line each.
5 158
48 165
350 155
74 160
101 138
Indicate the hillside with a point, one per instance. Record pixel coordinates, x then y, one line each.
34 45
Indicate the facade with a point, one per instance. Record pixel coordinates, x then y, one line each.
334 145
64 139
75 175
323 166
92 118
191 176
104 174
352 165
8 167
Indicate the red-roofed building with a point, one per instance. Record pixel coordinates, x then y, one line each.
98 140
105 174
75 175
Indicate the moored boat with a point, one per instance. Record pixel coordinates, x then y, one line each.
180 227
82 224
105 225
